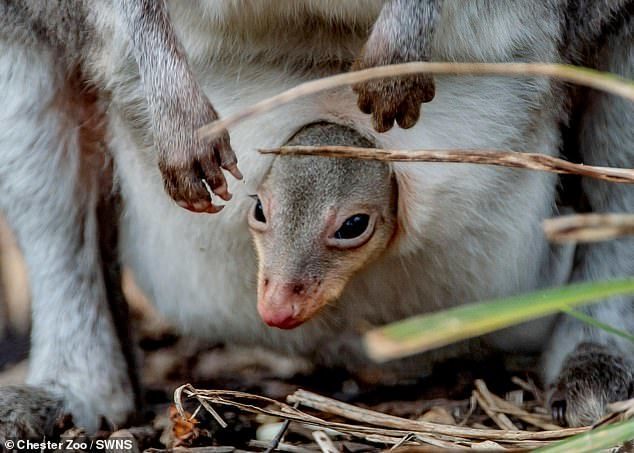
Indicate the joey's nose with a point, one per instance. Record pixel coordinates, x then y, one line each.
282 305
280 317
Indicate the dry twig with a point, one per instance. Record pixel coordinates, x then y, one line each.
278 437
325 443
512 159
501 405
624 408
581 76
178 401
280 447
485 400
359 414
589 227
386 429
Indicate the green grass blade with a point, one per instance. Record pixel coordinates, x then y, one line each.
425 332
593 322
595 440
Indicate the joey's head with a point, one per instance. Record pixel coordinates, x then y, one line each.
315 222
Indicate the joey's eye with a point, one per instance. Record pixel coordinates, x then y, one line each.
258 212
353 227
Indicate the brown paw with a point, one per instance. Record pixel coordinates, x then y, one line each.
394 99
192 168
592 377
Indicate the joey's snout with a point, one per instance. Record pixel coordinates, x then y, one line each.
286 305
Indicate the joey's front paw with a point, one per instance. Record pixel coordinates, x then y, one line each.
395 98
192 167
28 413
592 377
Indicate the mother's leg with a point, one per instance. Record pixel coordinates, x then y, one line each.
49 192
589 366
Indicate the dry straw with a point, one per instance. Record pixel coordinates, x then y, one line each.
589 227
512 159
377 427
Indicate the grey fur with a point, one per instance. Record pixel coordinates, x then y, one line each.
5 322
28 413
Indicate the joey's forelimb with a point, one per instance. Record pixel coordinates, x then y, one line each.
403 33
178 107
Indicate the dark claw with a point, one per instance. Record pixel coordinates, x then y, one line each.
408 114
235 172
428 90
558 412
222 191
365 104
383 120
